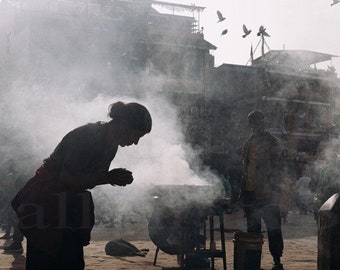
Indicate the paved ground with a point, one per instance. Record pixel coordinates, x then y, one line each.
300 252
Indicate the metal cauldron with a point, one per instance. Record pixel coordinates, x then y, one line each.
179 211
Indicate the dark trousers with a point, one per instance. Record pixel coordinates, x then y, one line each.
8 220
18 237
12 222
69 257
255 211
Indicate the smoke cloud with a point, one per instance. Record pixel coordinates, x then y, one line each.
67 76
36 118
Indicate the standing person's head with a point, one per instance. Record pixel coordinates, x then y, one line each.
256 120
130 122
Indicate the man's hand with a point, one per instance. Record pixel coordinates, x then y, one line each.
120 177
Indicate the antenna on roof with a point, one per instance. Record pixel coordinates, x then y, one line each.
252 52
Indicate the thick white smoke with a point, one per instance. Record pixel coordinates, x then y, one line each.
39 116
71 71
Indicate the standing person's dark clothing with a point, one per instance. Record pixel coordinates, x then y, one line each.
56 211
14 182
18 237
262 156
7 195
5 203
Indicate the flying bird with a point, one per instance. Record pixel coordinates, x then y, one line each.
246 31
220 16
225 31
335 2
262 32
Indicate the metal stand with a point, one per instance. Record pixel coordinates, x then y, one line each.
209 233
212 252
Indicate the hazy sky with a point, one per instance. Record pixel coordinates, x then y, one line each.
294 24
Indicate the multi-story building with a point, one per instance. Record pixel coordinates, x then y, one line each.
110 42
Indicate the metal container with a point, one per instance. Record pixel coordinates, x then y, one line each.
174 226
329 234
247 250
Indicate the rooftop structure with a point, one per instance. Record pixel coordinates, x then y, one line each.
288 61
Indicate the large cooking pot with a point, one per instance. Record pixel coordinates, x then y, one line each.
175 224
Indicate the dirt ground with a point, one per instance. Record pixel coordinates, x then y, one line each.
300 240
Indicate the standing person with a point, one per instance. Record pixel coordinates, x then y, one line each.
5 208
14 186
13 182
56 212
262 155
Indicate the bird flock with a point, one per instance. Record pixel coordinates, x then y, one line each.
261 32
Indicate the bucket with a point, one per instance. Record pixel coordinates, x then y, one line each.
247 250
